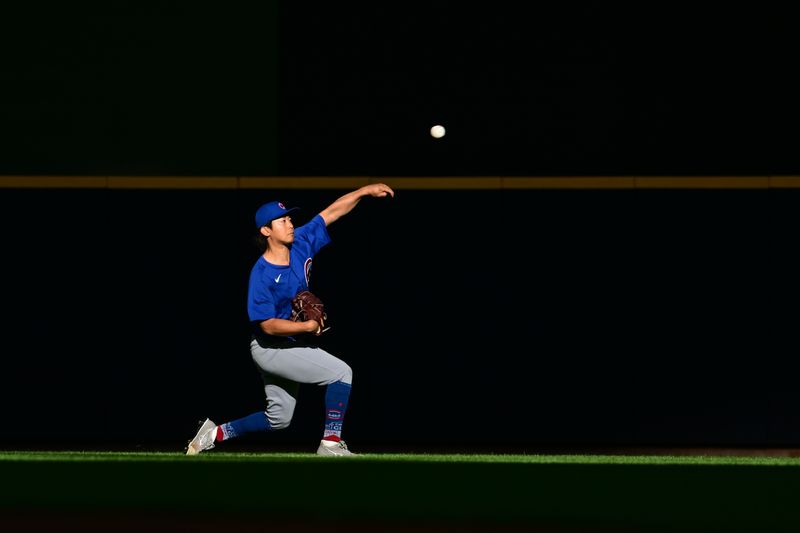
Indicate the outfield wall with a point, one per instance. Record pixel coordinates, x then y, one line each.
492 314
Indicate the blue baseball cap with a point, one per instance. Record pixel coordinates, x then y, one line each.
270 211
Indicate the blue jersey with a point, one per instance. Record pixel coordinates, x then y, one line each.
272 287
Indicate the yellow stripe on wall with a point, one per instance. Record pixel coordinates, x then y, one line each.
307 182
53 182
172 182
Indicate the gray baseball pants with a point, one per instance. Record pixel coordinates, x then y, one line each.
284 369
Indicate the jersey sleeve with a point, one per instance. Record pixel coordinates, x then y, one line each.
314 235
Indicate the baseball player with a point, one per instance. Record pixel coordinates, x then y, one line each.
281 348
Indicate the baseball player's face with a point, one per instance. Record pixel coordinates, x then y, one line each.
282 230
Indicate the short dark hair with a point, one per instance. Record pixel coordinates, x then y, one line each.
259 240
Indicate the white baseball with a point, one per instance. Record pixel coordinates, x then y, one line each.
437 131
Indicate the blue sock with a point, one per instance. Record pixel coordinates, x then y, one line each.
249 424
336 396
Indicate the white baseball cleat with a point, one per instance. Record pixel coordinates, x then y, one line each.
204 440
330 447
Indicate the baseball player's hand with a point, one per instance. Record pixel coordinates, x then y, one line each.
312 326
378 189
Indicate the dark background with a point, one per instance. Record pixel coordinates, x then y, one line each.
321 88
486 319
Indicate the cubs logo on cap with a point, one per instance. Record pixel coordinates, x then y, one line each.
270 211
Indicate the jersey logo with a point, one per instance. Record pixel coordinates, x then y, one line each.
278 279
307 270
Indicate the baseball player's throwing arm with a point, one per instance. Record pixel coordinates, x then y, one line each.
344 204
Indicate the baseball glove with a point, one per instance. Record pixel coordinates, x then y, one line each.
307 306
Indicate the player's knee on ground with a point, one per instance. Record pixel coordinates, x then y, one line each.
279 419
280 409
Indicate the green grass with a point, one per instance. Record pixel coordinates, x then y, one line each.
639 493
216 456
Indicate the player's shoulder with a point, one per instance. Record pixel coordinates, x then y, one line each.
309 230
312 225
259 266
